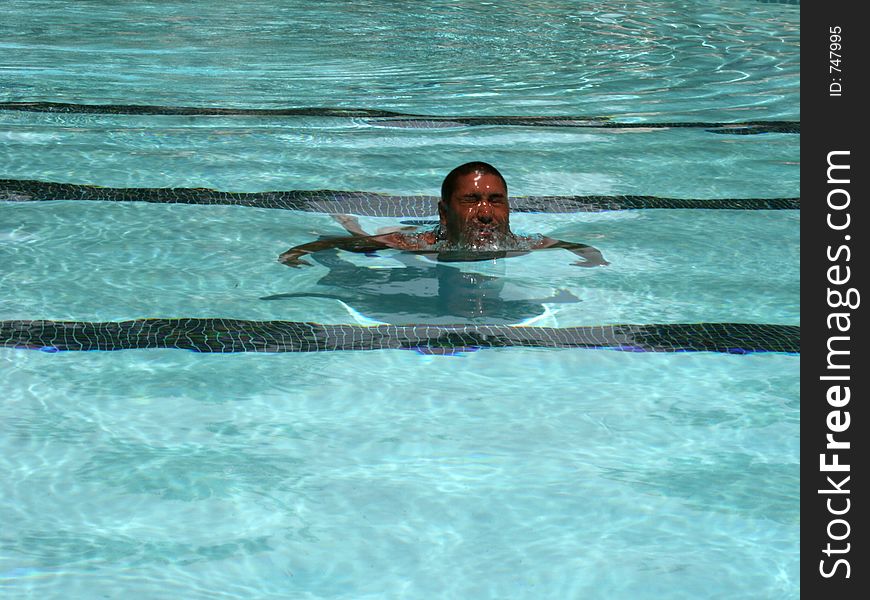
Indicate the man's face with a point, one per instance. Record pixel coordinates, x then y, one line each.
476 215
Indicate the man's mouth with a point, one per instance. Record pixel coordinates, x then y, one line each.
478 236
485 231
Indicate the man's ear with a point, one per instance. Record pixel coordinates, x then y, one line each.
442 212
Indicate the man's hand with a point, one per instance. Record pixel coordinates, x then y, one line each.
592 257
589 263
291 259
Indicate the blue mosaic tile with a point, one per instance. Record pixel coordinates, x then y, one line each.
365 203
401 120
233 335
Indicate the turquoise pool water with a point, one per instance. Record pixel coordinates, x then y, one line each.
502 472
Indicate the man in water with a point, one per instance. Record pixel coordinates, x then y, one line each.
474 225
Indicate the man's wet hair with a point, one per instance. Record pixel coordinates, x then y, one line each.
449 183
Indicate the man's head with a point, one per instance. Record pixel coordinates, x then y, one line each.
474 209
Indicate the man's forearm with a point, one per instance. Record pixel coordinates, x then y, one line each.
592 256
352 244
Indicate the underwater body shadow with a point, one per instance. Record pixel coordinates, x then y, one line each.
422 292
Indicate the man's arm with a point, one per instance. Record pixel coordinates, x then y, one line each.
292 257
592 257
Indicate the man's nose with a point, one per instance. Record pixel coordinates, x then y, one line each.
484 212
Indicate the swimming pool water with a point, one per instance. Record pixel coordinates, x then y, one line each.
505 472
619 475
80 260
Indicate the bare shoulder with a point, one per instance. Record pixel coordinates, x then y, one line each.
403 241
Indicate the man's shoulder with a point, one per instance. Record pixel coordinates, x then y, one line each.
402 241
